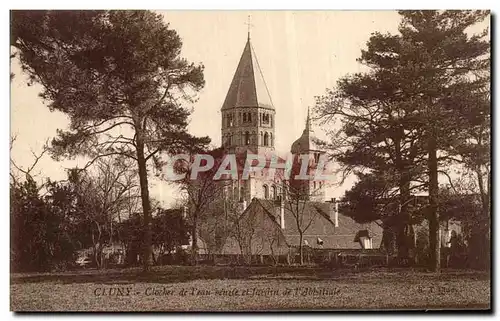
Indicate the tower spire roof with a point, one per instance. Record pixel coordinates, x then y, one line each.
308 121
249 25
306 142
248 87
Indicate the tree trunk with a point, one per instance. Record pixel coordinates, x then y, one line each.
404 199
239 237
401 249
483 225
194 238
146 205
434 242
97 247
111 233
484 195
403 243
301 249
96 257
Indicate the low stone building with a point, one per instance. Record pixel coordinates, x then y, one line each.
270 227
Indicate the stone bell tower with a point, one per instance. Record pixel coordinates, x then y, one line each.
248 114
248 123
305 145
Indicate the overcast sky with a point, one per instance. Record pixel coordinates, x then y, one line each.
300 53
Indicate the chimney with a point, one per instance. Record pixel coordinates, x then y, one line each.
335 212
243 205
282 214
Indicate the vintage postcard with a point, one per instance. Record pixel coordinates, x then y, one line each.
250 160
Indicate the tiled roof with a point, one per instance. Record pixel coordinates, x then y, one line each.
321 225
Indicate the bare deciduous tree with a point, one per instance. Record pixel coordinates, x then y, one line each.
103 196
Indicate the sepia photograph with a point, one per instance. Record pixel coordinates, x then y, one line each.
250 161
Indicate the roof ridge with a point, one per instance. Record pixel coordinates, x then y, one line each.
273 219
265 209
261 74
325 215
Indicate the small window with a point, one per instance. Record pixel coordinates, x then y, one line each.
275 192
366 242
247 138
244 117
266 139
266 192
265 119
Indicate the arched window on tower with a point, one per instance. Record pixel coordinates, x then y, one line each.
271 119
265 119
247 138
244 117
266 139
275 192
266 191
271 139
250 117
316 158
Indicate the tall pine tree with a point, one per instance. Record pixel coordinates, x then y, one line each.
426 82
119 77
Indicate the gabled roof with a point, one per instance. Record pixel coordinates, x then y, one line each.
248 88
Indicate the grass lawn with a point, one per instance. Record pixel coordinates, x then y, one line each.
176 288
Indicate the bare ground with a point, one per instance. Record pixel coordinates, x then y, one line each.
208 288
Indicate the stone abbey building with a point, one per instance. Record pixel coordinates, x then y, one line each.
267 222
248 127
